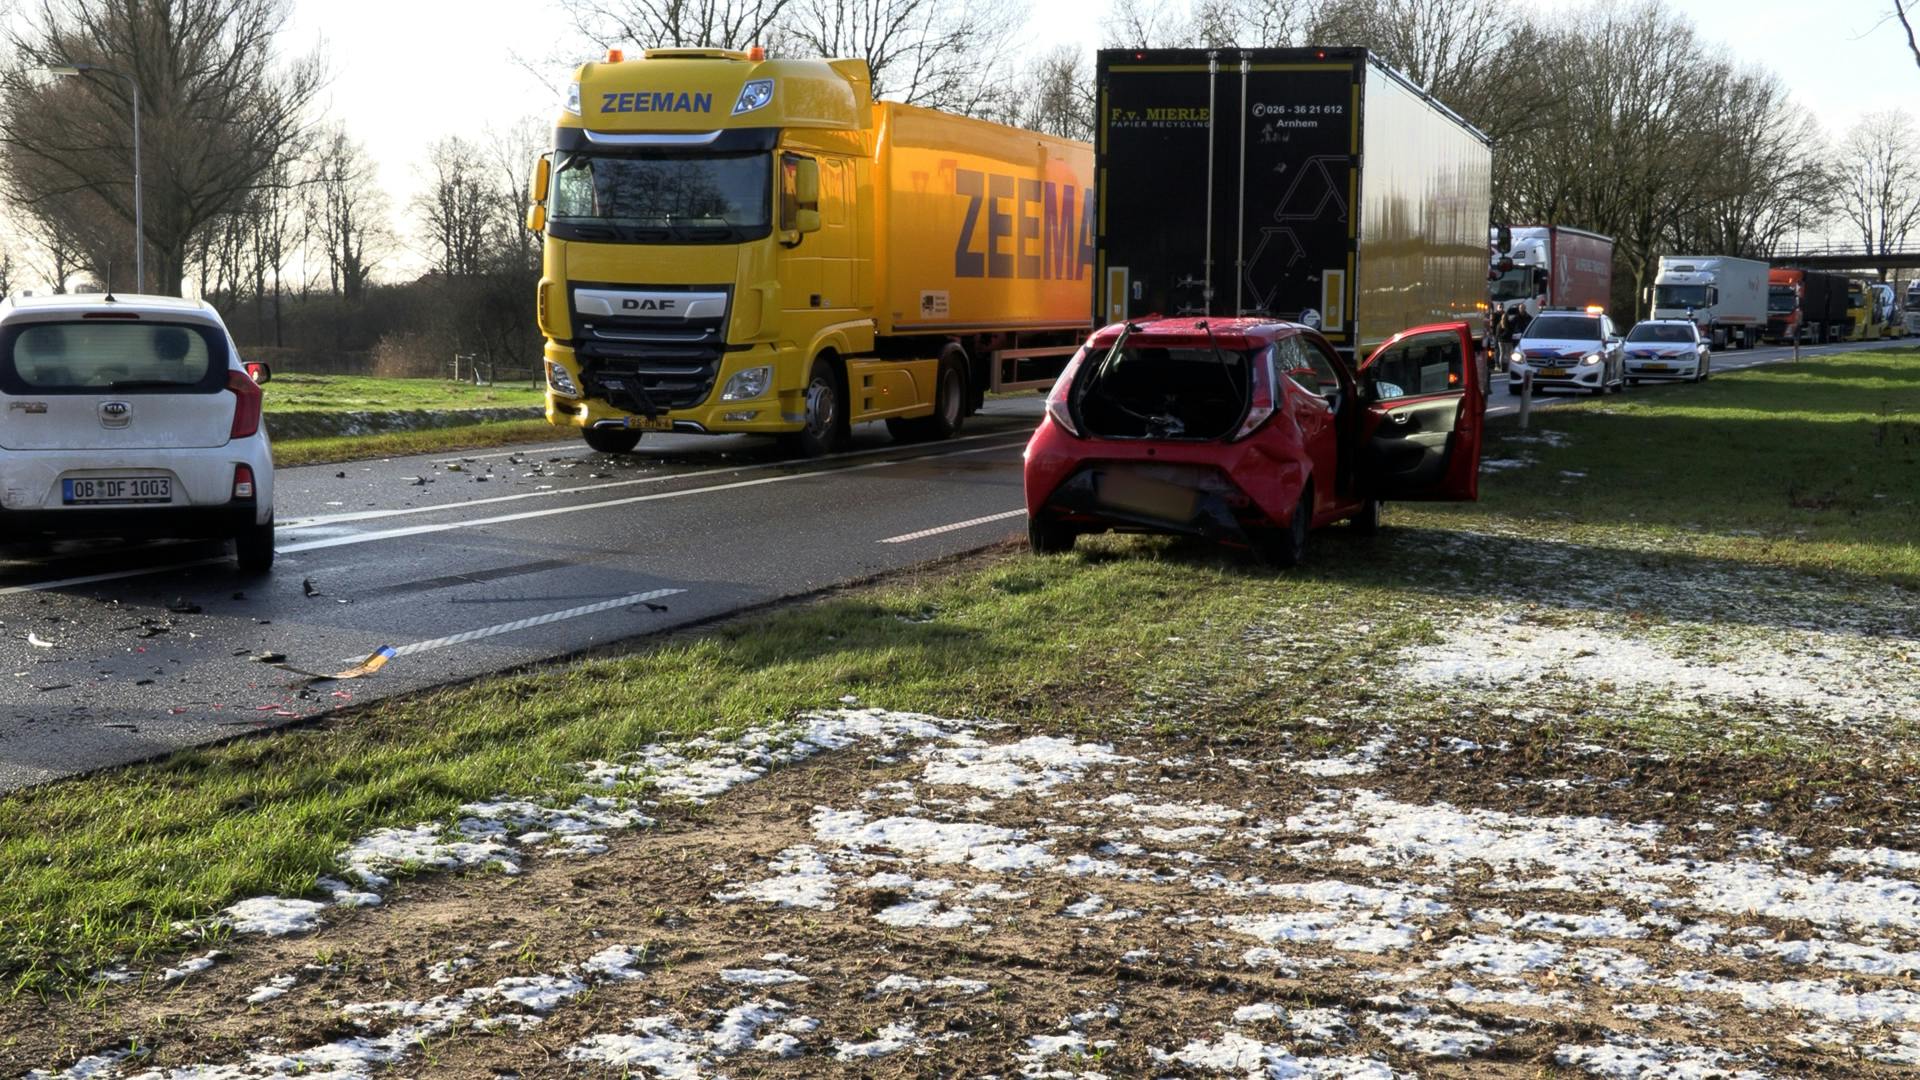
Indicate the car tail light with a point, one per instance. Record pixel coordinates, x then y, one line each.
1057 407
246 407
1264 393
242 482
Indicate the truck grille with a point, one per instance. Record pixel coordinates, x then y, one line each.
650 365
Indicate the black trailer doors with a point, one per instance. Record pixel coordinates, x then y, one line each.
1238 179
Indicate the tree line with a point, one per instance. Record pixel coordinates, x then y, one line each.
1621 118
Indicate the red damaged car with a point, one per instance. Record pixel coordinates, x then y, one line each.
1250 432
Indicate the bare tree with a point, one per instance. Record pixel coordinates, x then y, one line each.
922 52
217 110
1768 174
1879 190
1055 96
460 207
725 24
7 273
1148 24
1900 11
348 209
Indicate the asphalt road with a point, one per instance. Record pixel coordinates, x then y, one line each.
111 653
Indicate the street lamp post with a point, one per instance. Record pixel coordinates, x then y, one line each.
139 200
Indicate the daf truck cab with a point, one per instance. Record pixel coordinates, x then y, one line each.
738 244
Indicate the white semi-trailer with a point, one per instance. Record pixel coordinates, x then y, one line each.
1725 297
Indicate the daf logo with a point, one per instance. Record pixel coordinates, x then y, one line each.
115 413
647 304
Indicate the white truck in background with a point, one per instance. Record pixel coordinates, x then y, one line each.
1725 297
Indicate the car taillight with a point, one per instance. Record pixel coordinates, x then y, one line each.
1263 396
242 482
1057 408
246 406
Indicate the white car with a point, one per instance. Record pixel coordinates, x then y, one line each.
131 416
1569 350
1667 349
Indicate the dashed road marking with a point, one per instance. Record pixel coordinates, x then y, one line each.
532 621
955 527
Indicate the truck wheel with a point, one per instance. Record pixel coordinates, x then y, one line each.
827 428
1049 537
949 406
612 440
253 548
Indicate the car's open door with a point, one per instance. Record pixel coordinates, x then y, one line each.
1420 436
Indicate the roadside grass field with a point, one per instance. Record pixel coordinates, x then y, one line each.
1661 510
294 391
290 453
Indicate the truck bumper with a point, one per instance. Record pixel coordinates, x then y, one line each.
780 410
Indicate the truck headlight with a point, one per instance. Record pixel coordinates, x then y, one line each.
573 98
754 95
1590 359
561 382
748 384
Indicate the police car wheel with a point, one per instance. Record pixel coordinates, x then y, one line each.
612 440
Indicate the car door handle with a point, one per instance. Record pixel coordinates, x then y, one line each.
1400 417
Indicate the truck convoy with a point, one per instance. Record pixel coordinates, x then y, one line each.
737 244
1311 185
1805 305
1726 298
1546 266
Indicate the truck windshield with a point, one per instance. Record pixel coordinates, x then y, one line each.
664 198
1515 284
1780 298
1679 296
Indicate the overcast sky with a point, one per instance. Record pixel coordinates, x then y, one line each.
406 72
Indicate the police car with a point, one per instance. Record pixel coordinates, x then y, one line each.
1667 349
131 416
1569 350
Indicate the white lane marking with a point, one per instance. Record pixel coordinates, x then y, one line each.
955 527
528 515
529 623
112 575
375 515
417 530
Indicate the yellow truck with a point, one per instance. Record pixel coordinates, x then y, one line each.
738 244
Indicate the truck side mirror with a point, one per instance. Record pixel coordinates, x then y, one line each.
542 178
805 196
542 181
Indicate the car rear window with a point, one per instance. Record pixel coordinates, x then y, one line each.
112 355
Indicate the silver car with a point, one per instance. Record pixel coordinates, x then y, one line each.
1569 350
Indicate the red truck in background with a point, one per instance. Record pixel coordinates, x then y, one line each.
1805 305
1535 267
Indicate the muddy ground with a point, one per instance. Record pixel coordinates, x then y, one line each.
1607 836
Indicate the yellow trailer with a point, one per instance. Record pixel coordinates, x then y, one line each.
737 244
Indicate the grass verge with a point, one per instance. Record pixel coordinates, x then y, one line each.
1133 630
295 392
293 452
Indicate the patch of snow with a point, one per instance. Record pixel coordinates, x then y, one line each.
191 967
893 1038
761 976
272 916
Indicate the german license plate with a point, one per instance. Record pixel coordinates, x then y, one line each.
117 489
650 423
1656 367
1553 373
1146 496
